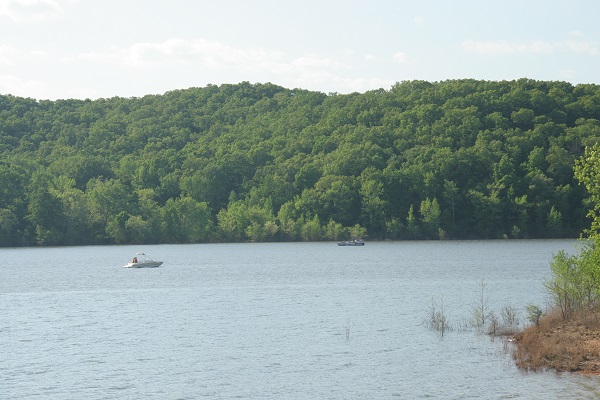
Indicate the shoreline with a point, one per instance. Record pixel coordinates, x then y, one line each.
562 345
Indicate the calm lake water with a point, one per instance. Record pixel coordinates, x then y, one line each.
269 321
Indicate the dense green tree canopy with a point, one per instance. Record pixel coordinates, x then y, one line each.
422 160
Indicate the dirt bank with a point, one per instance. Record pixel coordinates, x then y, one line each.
563 345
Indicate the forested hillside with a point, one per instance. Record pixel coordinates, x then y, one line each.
454 159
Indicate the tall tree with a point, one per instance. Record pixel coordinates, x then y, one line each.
587 171
45 211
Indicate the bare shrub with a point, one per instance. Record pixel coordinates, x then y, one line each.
437 320
480 310
463 325
494 324
510 316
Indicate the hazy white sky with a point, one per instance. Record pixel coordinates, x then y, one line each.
51 49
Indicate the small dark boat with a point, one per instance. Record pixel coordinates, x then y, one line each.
355 242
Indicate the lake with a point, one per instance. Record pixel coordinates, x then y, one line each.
271 321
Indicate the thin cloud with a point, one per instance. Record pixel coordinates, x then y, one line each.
31 10
15 85
305 70
38 53
313 61
403 58
327 81
36 89
568 73
212 55
503 47
581 47
6 54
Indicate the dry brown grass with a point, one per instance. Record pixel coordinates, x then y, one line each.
562 345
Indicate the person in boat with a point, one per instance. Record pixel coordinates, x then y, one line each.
134 260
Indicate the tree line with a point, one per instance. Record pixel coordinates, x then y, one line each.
457 159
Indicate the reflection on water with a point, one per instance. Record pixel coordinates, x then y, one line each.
295 320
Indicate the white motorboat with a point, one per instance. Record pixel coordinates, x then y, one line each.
142 261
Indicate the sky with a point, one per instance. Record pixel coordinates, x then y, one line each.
62 49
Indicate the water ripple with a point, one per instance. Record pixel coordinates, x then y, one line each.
251 321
